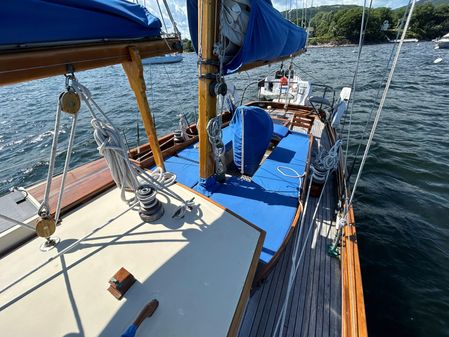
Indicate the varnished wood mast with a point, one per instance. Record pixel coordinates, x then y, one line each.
28 64
207 103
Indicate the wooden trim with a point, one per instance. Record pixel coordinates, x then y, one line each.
246 290
29 65
353 304
353 315
134 72
244 295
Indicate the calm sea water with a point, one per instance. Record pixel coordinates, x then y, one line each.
402 203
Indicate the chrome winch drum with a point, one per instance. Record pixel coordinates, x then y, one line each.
151 208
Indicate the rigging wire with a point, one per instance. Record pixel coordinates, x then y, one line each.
162 16
382 101
381 82
363 27
172 20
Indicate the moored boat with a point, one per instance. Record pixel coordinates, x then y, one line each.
168 58
443 43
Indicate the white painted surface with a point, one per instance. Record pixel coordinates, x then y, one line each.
196 267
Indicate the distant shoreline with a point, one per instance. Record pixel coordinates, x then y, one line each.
331 45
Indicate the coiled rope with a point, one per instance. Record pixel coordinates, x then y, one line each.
215 134
127 175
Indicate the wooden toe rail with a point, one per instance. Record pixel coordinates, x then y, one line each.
353 305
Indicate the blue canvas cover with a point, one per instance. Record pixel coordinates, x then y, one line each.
268 36
252 129
52 21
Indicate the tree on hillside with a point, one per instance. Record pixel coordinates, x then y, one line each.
342 25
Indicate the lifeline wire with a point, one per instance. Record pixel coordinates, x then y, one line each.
382 102
365 129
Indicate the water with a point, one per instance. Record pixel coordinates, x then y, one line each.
402 201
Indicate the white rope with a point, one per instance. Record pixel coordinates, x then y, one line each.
215 133
44 209
162 16
128 174
111 146
282 170
381 81
20 223
296 261
66 166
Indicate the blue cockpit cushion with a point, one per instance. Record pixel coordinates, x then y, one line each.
280 131
252 129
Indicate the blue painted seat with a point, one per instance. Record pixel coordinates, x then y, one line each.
291 152
280 131
185 164
269 211
270 200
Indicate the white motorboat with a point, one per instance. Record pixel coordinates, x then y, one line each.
443 43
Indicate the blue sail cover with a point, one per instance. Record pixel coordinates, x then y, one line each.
53 21
268 36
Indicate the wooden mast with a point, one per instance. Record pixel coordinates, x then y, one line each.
207 103
134 72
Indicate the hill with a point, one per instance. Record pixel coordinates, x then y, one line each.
340 24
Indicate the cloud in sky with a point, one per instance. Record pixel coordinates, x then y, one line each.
179 8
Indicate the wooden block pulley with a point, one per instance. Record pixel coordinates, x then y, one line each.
45 227
70 101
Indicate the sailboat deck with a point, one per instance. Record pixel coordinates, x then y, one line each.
314 307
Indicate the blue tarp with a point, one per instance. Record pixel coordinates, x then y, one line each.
252 129
268 35
51 21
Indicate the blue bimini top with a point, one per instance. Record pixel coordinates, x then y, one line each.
37 22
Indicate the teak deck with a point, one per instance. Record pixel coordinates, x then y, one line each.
315 302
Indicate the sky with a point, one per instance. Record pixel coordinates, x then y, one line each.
179 8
